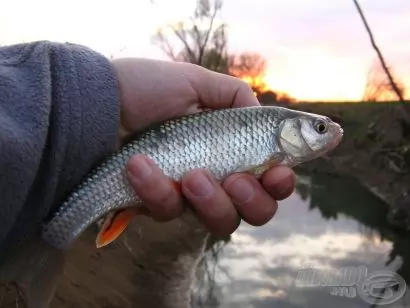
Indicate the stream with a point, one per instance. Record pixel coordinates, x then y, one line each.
325 242
329 245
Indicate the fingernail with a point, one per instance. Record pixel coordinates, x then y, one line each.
241 190
200 185
140 170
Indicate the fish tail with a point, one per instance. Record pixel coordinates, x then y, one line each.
36 268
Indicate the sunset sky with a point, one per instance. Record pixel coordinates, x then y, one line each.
316 50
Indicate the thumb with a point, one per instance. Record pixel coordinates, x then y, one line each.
217 91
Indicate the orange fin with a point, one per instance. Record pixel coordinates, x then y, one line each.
177 186
275 160
114 225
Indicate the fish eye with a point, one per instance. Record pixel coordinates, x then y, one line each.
321 126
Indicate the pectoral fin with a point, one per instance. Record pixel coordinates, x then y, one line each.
275 160
115 224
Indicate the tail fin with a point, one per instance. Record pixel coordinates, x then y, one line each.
35 267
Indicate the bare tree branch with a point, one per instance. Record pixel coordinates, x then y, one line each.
379 54
217 7
166 46
205 43
378 87
202 43
182 35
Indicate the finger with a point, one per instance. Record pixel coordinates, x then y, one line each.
253 203
158 192
279 182
216 90
210 202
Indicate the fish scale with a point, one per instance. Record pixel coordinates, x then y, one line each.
222 141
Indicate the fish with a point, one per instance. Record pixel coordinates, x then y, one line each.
224 141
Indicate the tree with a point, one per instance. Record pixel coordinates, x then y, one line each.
404 115
203 41
394 87
379 87
251 67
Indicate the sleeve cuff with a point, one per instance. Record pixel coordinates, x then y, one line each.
100 102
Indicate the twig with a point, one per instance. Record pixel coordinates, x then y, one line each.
379 54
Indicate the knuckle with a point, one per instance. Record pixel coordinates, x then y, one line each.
225 225
261 217
156 190
164 194
194 71
226 229
244 86
165 204
166 214
257 221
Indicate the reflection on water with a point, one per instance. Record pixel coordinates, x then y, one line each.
327 224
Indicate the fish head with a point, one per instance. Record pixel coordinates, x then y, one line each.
307 136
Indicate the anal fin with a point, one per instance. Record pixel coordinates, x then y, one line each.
115 224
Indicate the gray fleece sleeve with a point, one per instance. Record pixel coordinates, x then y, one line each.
59 116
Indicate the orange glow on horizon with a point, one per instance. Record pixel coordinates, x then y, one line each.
257 82
319 75
314 75
261 84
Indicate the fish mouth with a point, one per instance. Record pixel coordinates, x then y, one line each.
339 132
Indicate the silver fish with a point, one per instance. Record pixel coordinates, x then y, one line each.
224 141
249 139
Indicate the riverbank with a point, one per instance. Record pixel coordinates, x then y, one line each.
375 150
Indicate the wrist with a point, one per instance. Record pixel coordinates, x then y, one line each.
125 98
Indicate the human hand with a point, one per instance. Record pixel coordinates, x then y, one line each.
153 91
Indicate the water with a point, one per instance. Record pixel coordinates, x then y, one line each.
328 224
